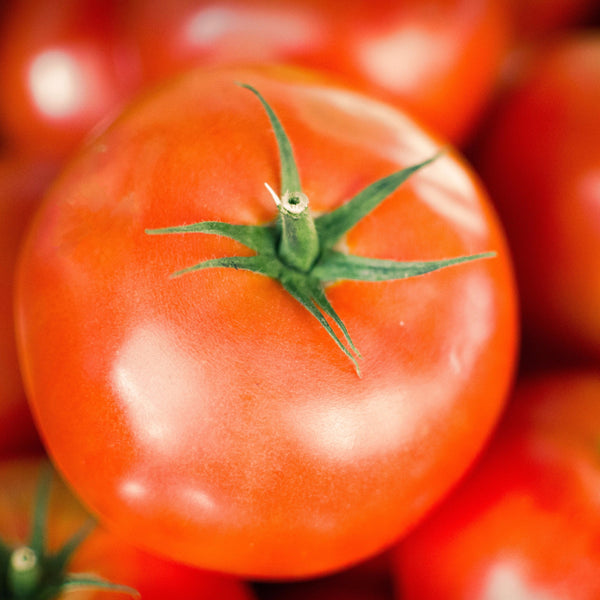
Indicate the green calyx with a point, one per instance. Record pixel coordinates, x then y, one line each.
31 572
298 250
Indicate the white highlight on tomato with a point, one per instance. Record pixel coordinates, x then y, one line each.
55 83
345 432
211 25
506 580
383 57
156 382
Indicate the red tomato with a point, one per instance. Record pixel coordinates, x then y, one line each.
21 187
63 66
526 522
211 417
440 57
541 161
101 553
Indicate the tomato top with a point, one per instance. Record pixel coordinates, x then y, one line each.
211 417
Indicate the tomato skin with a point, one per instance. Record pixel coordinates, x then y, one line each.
524 523
64 66
415 54
229 431
540 161
22 183
102 553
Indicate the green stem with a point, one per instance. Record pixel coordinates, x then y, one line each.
24 572
298 251
299 245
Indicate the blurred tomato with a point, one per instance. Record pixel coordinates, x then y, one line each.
437 57
63 66
101 554
526 521
541 162
22 184
67 64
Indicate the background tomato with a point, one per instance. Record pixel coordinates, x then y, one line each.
101 554
525 523
22 183
438 57
210 417
64 65
541 161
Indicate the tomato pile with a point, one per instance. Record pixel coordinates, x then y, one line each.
301 299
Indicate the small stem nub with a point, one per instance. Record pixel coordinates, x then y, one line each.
24 572
294 204
299 245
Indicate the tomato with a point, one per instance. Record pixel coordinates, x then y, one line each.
64 65
211 417
22 183
540 159
100 554
439 57
525 523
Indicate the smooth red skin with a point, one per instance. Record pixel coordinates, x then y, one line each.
439 58
87 32
22 184
101 554
211 417
540 159
528 515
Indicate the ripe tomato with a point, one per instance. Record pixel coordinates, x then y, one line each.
22 184
211 417
541 161
525 523
100 554
63 66
440 57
